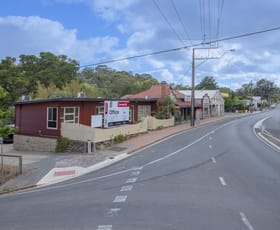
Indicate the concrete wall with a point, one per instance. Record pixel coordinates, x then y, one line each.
154 123
85 133
77 132
30 143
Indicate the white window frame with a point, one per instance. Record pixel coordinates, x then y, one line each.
99 109
144 111
75 114
51 119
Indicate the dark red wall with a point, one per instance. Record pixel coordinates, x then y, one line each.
31 119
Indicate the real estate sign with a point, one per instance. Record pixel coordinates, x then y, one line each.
116 113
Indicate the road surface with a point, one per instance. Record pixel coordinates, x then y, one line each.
272 123
216 177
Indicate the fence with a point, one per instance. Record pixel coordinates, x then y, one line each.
11 166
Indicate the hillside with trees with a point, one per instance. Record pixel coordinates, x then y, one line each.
52 76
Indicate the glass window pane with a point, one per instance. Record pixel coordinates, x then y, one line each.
52 124
69 110
69 117
54 114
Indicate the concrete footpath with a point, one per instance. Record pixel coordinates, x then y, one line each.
42 168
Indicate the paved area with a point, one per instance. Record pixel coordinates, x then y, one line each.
41 168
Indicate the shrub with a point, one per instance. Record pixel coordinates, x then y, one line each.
120 138
62 145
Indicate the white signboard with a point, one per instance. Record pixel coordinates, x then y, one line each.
96 121
116 113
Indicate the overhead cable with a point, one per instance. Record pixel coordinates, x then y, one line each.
167 21
181 21
184 47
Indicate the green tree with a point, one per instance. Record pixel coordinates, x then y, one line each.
48 68
208 83
114 84
166 108
11 80
265 89
5 114
22 78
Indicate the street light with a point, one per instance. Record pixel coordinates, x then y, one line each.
193 79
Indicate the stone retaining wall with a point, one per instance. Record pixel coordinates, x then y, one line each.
29 143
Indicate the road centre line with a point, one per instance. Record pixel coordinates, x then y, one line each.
246 221
126 188
214 160
131 180
222 180
113 211
136 173
185 147
119 199
127 170
104 227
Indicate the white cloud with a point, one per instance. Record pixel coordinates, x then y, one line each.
32 35
141 29
111 9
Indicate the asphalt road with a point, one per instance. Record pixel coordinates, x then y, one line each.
272 123
216 177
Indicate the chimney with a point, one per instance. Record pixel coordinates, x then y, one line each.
164 89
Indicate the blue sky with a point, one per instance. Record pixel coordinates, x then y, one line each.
92 31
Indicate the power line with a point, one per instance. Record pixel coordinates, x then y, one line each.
202 19
167 21
220 12
184 47
180 20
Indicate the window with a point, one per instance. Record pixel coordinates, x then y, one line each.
143 111
99 110
52 118
131 113
69 114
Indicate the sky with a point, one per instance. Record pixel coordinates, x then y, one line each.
97 31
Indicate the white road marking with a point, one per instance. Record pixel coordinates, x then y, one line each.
137 168
126 188
123 171
104 227
119 199
214 160
246 221
210 146
136 173
113 211
131 180
210 138
222 180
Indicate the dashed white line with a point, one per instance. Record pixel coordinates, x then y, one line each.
214 160
246 221
222 180
113 211
104 227
131 180
119 199
210 146
126 188
136 173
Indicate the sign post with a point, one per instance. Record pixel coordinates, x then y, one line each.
116 113
2 160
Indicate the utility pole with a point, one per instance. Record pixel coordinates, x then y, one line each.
193 84
193 78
